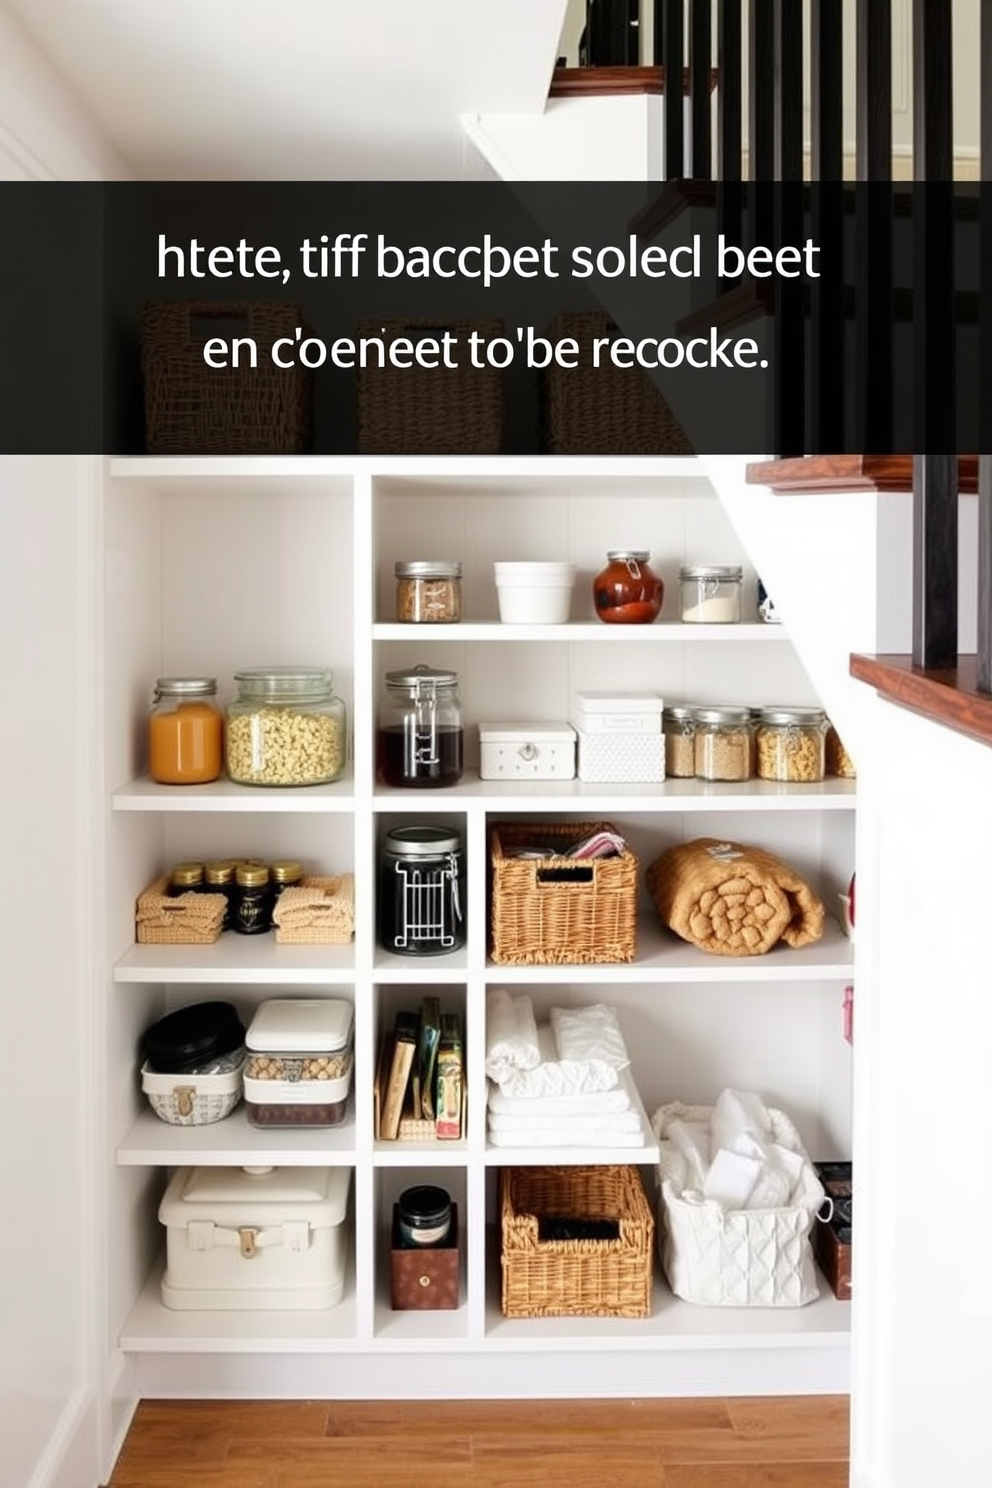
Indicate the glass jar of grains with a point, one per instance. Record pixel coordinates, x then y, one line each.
678 724
723 743
285 727
791 744
429 591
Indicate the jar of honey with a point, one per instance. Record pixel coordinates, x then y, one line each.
185 732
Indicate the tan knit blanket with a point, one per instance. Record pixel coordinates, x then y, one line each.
733 900
319 911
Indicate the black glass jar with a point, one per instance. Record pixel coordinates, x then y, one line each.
421 891
420 735
251 909
424 1217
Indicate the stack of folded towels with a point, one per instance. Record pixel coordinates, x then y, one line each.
565 1083
733 1158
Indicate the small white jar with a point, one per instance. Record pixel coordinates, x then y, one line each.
711 596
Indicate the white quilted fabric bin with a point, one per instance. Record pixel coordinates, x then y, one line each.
736 1257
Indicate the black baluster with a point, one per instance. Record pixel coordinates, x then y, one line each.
674 120
633 55
873 250
790 312
788 90
658 33
935 485
984 648
700 65
761 91
729 109
827 160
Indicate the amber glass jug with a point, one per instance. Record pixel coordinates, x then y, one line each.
628 592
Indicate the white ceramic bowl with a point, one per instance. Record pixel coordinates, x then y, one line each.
534 593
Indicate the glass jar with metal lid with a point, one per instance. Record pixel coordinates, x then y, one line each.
285 727
429 591
678 724
185 878
421 736
421 891
711 595
791 744
284 873
219 879
628 591
185 732
723 743
251 909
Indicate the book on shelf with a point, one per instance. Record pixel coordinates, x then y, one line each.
450 1079
430 1036
404 1047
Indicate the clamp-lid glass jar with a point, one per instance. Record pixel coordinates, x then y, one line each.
421 735
791 744
185 732
711 596
429 591
421 891
628 592
678 724
286 727
723 744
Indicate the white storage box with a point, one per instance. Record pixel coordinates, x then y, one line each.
254 1238
734 1257
621 759
617 712
194 1099
526 751
300 1062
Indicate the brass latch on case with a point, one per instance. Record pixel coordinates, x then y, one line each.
248 1247
184 1096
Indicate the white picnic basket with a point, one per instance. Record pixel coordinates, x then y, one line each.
734 1257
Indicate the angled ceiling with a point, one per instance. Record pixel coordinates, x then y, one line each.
296 89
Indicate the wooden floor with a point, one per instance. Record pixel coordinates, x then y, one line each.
753 1443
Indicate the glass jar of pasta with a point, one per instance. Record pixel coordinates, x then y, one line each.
790 744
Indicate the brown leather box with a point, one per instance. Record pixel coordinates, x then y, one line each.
424 1278
832 1240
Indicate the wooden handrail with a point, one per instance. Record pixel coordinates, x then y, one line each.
850 473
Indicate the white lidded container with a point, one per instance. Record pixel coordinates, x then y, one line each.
619 737
300 1062
254 1238
526 751
534 593
195 1098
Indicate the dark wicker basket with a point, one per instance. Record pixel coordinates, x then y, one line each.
430 410
191 408
603 410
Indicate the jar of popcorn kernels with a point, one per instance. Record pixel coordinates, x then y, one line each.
285 727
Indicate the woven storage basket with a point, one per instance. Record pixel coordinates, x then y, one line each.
188 919
430 410
560 910
191 408
604 410
317 911
192 1099
735 1257
575 1278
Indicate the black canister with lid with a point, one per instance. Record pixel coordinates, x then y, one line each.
424 1216
193 1036
421 891
251 908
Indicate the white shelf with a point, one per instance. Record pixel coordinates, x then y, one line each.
660 633
450 967
670 795
445 1154
253 960
664 958
225 795
441 470
233 1142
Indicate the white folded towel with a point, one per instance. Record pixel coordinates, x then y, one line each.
556 1077
731 1178
692 1138
589 1033
738 1113
537 1107
511 1034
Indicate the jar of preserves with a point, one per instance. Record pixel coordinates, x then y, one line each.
723 743
185 878
251 909
791 744
628 592
185 732
219 879
421 890
429 591
424 1216
284 873
711 596
678 724
286 727
421 735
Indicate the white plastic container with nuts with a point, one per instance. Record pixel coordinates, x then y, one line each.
300 1062
285 727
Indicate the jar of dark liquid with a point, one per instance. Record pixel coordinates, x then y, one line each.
420 736
421 891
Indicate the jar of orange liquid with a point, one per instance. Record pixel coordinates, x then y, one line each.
185 731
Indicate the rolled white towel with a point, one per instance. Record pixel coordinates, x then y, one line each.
511 1034
559 1101
589 1033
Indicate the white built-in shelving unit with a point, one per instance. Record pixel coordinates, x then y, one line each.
216 564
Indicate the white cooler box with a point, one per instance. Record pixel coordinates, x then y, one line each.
526 751
620 737
254 1238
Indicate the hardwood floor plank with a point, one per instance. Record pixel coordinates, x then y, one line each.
765 1475
347 1455
820 1426
500 1417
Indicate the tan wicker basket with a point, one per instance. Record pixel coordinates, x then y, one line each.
430 410
187 919
604 410
559 910
191 408
317 911
576 1278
